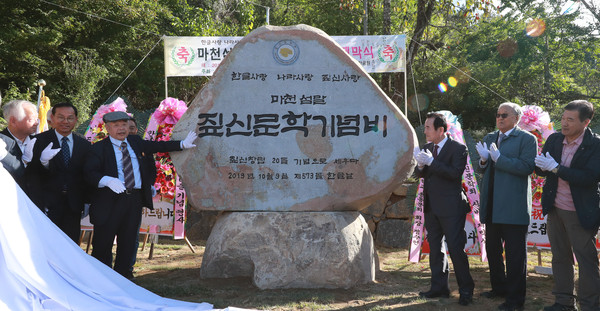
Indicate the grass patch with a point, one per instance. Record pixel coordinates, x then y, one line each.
174 272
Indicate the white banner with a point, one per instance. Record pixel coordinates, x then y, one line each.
200 56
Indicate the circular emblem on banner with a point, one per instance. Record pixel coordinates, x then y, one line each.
388 53
182 56
286 52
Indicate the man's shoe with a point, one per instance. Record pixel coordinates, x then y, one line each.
558 307
493 294
465 299
507 307
434 294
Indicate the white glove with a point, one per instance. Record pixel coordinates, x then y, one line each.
188 142
47 154
425 157
416 151
545 162
494 152
483 151
115 185
28 151
3 151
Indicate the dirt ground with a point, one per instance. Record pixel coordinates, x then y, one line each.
174 271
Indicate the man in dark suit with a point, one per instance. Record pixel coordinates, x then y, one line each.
441 164
22 119
9 161
118 166
506 204
570 160
56 171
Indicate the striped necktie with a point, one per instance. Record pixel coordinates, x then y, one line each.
127 167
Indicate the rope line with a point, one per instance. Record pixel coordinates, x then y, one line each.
141 61
100 17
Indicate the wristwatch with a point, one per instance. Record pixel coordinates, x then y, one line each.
554 170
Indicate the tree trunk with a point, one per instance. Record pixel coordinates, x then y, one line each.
424 12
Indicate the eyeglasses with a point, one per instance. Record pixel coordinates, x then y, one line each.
70 119
502 115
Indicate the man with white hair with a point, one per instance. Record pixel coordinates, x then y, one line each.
507 159
22 119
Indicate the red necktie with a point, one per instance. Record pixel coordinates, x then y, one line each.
435 151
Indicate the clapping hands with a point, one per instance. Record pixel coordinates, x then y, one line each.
483 150
423 157
545 162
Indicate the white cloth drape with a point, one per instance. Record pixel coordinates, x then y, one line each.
42 269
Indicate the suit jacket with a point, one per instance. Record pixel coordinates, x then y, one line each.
442 180
47 184
512 185
20 175
102 162
582 175
10 162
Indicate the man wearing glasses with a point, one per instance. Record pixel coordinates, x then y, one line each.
507 158
57 184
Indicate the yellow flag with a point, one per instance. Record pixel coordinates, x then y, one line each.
43 113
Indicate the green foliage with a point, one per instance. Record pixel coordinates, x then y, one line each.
84 76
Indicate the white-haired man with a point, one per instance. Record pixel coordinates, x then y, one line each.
506 204
22 119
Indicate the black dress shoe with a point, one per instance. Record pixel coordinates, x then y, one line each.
493 294
508 307
465 299
434 294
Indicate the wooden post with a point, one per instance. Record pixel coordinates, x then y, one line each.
145 240
189 244
89 242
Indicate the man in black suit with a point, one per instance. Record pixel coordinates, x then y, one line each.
118 167
22 119
441 164
57 185
9 161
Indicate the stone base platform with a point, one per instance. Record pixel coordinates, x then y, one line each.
291 249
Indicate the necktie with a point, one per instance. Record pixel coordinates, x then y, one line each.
127 167
501 138
435 151
64 150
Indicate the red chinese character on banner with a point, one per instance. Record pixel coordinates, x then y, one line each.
388 51
537 214
183 54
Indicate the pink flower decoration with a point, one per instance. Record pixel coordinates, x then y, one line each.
170 111
535 118
97 122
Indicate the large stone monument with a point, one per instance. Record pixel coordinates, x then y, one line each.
290 124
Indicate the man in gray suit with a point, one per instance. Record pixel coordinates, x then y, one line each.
506 204
441 164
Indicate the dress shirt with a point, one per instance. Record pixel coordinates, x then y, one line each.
69 143
564 199
20 143
441 144
116 144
